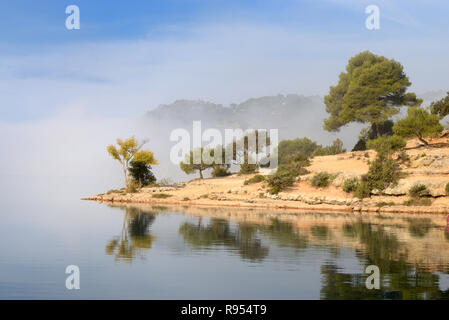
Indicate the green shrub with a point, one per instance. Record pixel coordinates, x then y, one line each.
280 181
447 188
350 185
294 168
321 180
335 148
141 172
220 171
418 191
114 191
256 179
383 172
363 190
418 202
247 168
403 156
186 199
133 186
385 204
386 144
204 196
161 195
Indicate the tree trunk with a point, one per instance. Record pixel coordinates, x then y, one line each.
423 141
126 177
376 129
201 174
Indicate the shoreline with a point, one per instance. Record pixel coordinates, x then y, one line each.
429 169
273 205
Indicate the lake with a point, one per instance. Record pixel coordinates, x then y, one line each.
145 252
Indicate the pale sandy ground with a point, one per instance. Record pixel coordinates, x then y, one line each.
231 191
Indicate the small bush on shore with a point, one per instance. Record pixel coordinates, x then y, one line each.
418 202
418 191
256 179
220 171
335 148
363 190
385 204
115 191
161 195
403 156
350 185
133 186
280 181
447 188
385 143
186 199
321 180
247 168
383 172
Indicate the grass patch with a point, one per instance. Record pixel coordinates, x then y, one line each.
418 191
385 204
418 202
256 179
115 191
161 195
321 180
350 185
279 181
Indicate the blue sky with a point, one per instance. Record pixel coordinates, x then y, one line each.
130 56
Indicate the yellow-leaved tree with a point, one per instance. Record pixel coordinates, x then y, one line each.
130 150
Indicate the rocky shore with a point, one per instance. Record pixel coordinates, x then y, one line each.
427 166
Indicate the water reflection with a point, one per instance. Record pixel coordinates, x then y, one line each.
411 251
217 232
135 237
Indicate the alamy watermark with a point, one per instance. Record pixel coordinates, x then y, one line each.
373 280
252 146
73 280
372 22
72 22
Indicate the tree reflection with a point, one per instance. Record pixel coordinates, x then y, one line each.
135 237
419 228
402 280
218 232
284 234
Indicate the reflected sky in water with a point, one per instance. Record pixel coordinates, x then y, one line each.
146 252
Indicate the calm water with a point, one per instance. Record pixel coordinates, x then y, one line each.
149 252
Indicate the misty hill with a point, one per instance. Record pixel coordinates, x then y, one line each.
292 114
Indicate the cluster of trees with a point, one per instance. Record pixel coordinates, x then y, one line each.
372 90
136 163
293 158
244 157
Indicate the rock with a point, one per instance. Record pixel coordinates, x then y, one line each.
436 186
341 177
